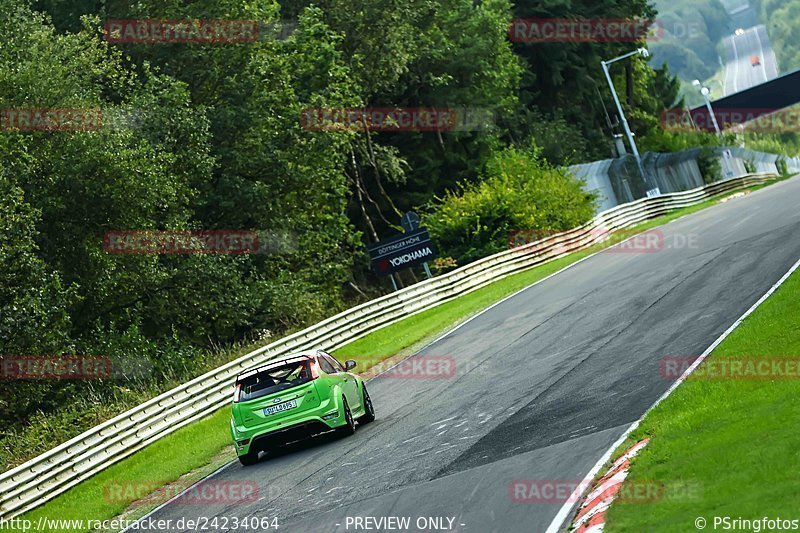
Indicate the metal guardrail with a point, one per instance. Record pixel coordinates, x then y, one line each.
31 484
618 181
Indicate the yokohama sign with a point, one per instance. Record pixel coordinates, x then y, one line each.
404 251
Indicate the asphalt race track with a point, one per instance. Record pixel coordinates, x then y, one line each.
545 382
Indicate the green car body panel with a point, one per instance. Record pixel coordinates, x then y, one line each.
295 397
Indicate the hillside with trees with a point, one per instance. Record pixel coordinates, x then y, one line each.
780 17
689 36
208 137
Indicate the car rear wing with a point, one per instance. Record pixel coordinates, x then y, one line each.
273 364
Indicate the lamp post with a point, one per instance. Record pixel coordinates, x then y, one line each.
705 91
605 64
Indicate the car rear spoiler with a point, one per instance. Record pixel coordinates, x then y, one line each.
271 364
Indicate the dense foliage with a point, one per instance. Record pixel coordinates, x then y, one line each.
786 143
517 193
222 150
208 136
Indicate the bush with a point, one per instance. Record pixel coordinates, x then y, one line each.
783 143
518 191
559 142
710 166
782 166
658 140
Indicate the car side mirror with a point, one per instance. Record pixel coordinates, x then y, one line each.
349 364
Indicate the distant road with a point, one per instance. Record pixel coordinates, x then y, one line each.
740 74
735 6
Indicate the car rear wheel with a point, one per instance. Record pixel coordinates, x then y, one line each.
350 424
249 459
369 411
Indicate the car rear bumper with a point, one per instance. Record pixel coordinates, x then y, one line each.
292 433
288 429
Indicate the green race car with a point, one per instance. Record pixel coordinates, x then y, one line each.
294 397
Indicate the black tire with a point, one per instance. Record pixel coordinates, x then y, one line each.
369 411
249 459
350 425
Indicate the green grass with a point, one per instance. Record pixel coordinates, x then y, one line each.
162 462
195 450
736 442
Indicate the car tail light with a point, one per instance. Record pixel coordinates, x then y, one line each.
237 392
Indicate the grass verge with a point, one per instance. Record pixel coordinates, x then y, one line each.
731 446
188 453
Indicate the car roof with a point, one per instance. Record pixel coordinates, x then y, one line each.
277 362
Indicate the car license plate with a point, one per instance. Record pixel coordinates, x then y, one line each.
285 406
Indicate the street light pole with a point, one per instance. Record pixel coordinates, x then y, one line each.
705 92
727 170
624 120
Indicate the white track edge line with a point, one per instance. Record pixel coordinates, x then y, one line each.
563 513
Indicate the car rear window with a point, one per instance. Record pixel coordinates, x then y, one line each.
274 380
